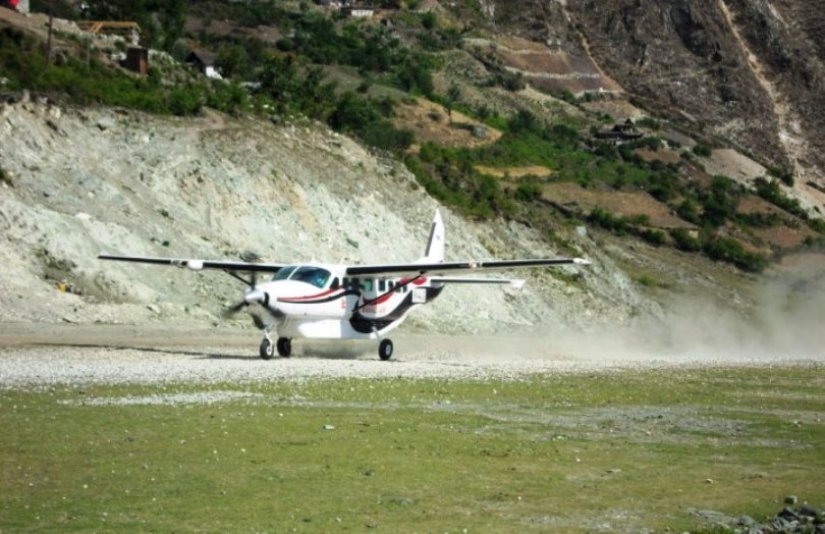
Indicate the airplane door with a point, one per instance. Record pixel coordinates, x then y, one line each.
419 295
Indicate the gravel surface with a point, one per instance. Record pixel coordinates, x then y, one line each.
40 355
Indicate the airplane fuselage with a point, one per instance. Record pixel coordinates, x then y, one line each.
321 302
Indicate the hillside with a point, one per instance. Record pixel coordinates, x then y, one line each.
332 138
92 181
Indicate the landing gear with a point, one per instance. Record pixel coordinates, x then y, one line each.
385 349
267 348
284 347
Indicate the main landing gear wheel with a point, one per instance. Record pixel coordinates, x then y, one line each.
284 347
267 349
385 349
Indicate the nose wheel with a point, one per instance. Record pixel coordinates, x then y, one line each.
385 349
268 348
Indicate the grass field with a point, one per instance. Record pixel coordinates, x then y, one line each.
620 452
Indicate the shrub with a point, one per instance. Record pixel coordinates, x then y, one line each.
528 192
720 201
428 20
702 150
523 122
684 241
785 175
731 251
654 237
648 122
384 135
616 224
770 191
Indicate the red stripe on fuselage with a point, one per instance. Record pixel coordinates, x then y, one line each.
309 297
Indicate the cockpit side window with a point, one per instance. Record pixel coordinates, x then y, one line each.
312 275
284 272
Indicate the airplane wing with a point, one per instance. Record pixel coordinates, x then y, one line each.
515 283
454 267
197 265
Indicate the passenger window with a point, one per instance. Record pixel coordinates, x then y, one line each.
382 285
368 285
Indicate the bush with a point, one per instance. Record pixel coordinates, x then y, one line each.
684 241
770 191
702 150
528 192
720 201
654 237
428 20
731 251
785 175
384 135
648 122
614 223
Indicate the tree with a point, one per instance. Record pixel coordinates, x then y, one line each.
233 61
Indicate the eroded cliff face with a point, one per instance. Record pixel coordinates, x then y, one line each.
751 71
91 181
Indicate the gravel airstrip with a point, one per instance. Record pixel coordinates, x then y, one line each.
33 355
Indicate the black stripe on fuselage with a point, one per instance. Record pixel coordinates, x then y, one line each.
366 325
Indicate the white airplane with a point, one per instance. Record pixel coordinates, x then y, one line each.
326 301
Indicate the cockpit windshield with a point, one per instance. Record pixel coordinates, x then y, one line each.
311 275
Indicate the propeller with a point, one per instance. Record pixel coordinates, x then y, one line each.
253 295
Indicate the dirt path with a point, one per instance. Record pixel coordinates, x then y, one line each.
43 354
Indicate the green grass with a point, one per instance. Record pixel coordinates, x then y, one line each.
635 450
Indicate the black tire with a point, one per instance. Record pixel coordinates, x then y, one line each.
284 347
385 349
267 349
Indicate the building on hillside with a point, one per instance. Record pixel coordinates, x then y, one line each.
625 131
204 61
21 6
137 60
359 12
129 30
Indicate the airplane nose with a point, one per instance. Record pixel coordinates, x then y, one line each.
256 296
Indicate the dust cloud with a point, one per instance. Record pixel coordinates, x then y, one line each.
785 321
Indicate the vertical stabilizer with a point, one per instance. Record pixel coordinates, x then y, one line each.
434 253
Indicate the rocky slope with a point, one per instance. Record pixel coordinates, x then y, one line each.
748 71
91 181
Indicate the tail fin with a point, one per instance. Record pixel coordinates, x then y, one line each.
434 253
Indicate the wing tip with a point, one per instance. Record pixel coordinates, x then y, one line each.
582 261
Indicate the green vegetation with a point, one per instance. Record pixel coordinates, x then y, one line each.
702 150
770 191
339 455
784 174
684 241
349 74
732 251
23 63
